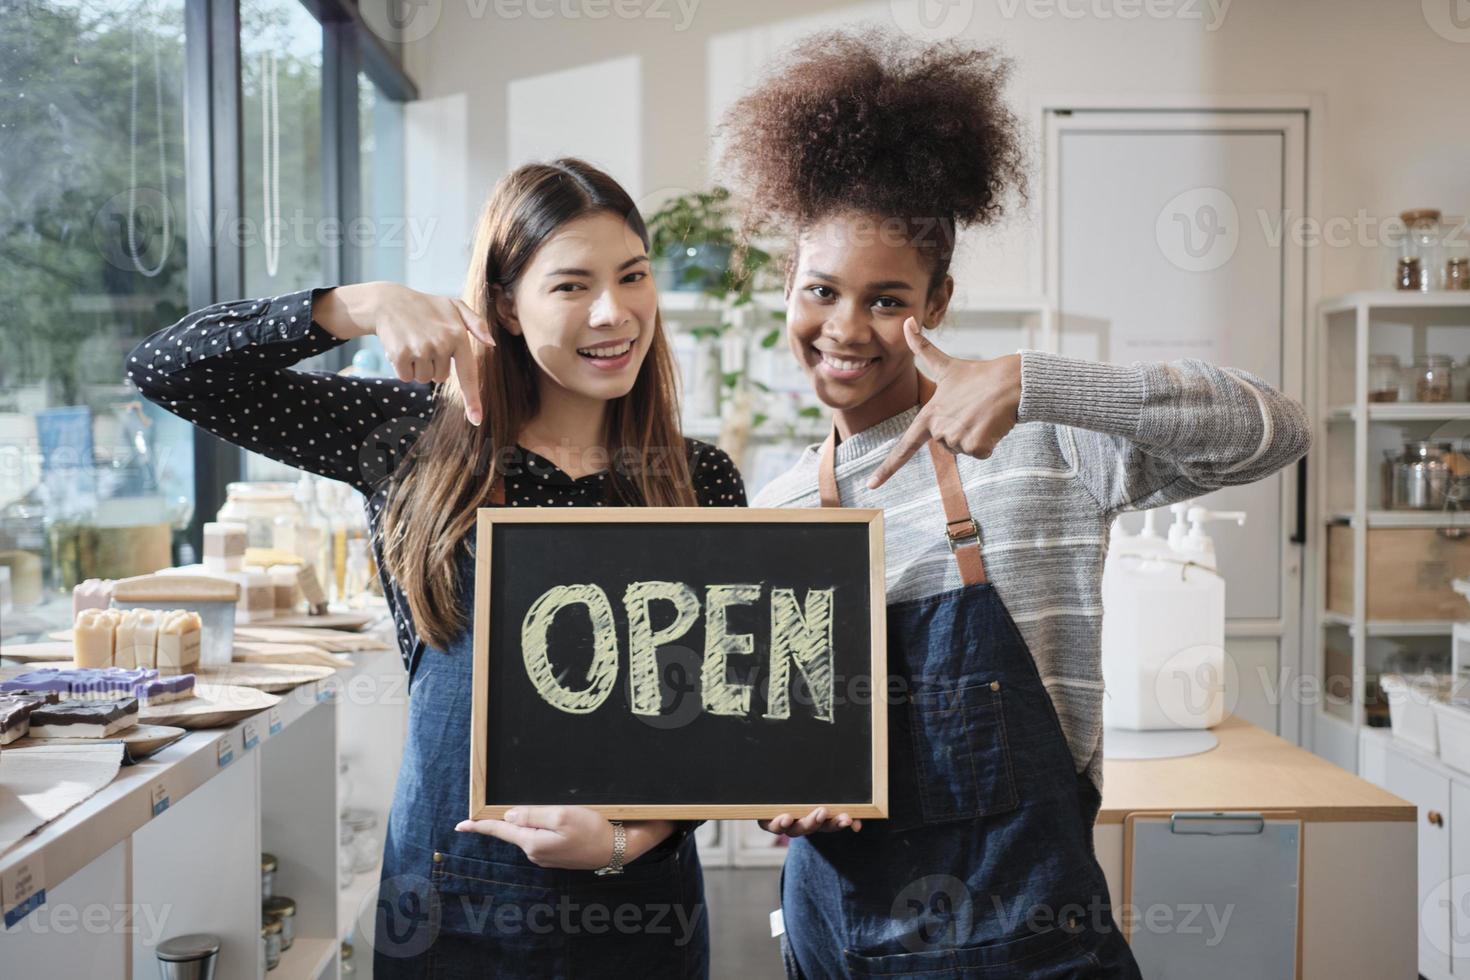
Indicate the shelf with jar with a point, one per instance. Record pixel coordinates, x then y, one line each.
1391 467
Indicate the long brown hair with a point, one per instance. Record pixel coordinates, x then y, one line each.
450 470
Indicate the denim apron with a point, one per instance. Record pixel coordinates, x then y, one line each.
985 867
454 905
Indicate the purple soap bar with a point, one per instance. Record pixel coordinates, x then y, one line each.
162 689
38 680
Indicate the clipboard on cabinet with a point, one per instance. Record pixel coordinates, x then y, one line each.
1214 895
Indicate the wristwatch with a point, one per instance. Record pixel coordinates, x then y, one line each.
620 847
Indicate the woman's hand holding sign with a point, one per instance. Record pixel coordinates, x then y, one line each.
973 407
572 837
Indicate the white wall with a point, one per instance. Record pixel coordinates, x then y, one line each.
1394 76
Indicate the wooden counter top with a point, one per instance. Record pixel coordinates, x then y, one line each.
1250 769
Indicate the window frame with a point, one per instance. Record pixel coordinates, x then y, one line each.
215 177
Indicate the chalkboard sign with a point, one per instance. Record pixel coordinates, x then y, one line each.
680 662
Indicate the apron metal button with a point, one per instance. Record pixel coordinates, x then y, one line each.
438 858
995 685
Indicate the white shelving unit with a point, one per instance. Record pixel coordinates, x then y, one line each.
265 783
1352 435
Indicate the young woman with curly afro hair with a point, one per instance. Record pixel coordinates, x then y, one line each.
999 480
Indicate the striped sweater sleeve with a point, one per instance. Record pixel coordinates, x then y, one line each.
1149 434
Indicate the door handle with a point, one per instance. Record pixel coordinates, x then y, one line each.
1300 535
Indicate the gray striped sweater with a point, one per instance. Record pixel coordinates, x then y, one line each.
1093 439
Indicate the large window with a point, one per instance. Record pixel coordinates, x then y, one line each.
139 184
93 258
281 86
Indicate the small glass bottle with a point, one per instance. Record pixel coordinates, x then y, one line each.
358 574
1419 252
1384 373
1457 273
1433 376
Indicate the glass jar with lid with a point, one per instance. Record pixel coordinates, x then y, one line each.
284 909
260 506
270 941
268 865
1384 374
367 848
1419 251
1434 378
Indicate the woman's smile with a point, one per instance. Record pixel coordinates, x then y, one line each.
609 355
843 368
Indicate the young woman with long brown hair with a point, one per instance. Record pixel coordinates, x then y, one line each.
549 383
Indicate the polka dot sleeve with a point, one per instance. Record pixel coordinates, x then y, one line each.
227 369
717 482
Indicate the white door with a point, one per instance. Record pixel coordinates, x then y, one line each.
1165 239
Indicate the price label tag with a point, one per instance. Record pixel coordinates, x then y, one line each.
273 721
252 735
226 751
22 890
159 796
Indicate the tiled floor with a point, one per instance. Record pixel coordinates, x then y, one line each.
740 903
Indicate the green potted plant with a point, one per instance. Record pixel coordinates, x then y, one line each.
692 240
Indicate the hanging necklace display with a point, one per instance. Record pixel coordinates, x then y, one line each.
167 237
270 162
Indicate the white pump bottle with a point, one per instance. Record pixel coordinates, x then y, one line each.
1163 630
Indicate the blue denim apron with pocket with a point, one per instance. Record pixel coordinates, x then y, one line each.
454 905
985 867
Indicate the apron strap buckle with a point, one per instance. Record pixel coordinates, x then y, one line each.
962 531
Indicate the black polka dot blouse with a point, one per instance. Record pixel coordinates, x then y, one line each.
228 369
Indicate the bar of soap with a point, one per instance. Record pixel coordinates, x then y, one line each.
224 546
178 642
285 585
137 639
83 719
263 558
311 590
158 590
257 597
43 682
94 593
15 715
94 637
161 690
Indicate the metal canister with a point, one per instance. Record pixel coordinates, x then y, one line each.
284 909
190 957
1419 477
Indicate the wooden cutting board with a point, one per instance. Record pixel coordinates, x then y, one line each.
33 652
288 653
274 678
141 740
212 706
346 620
333 641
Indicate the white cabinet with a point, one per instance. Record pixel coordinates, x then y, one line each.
1442 796
1430 792
1456 892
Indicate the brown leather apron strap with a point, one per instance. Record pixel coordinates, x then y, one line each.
961 530
497 491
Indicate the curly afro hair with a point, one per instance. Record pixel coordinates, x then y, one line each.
868 122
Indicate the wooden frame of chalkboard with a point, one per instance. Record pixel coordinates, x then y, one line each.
864 793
